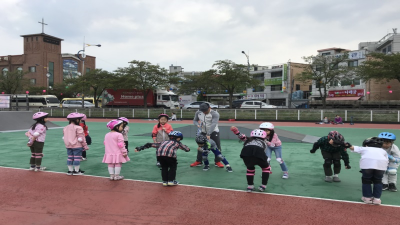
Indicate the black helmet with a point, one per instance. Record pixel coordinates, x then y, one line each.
201 139
337 138
373 142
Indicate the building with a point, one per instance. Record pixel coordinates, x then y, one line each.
279 85
42 55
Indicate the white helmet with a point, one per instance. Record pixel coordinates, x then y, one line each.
267 125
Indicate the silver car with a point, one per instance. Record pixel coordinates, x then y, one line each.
256 105
196 105
77 104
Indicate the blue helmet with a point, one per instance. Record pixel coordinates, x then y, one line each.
176 134
387 135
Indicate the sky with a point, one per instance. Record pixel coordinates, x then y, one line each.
196 33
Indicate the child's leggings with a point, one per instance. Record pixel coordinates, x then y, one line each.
217 154
114 168
250 163
278 155
37 153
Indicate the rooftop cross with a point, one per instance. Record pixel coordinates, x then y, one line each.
43 25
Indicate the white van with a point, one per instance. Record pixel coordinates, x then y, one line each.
40 101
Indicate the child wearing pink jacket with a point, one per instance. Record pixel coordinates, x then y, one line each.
75 142
115 151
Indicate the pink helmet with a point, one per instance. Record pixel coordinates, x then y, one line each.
258 133
124 119
113 123
163 114
39 115
75 115
84 116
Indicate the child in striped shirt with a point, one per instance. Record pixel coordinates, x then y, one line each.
166 155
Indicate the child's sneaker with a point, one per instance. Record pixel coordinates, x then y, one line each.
158 164
336 179
75 173
392 187
111 177
84 159
206 168
385 187
262 188
40 169
31 168
219 165
250 188
69 173
165 183
376 201
173 183
328 179
196 164
118 177
367 200
229 169
285 175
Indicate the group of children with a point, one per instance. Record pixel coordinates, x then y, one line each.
379 155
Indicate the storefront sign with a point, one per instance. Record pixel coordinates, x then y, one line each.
346 93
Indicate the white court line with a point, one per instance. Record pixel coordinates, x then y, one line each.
225 189
10 131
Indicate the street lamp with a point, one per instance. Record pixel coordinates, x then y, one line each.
248 63
83 63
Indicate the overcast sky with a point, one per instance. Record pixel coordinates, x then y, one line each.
194 34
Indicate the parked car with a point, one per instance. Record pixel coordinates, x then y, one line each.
76 104
237 103
255 105
196 105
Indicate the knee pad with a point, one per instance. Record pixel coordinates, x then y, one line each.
392 171
376 181
250 172
366 180
267 170
221 157
280 160
336 162
328 162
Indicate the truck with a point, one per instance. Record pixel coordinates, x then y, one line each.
135 98
187 99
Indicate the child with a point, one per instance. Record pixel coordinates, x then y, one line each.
253 154
166 155
332 149
125 131
37 136
115 151
273 145
373 163
338 120
161 130
75 142
390 176
173 117
87 137
205 146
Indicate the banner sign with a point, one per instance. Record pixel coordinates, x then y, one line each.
346 93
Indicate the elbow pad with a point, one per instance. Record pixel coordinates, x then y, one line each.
36 134
80 139
121 144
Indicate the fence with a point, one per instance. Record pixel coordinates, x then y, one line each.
316 115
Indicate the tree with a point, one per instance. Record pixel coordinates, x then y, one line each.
324 70
145 77
380 67
12 82
230 77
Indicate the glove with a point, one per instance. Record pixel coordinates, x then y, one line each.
313 151
348 166
391 158
242 136
347 145
139 148
148 145
235 130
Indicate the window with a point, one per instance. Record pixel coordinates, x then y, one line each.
87 70
276 87
353 63
276 74
357 82
248 103
258 89
165 97
384 50
175 67
310 87
257 103
259 76
32 81
325 53
389 48
32 69
319 83
297 87
51 71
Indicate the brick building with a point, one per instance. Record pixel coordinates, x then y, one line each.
42 55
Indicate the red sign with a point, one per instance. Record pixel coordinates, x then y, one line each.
346 93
